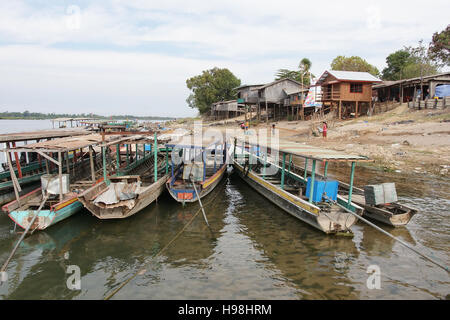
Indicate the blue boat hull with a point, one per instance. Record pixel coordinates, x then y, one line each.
45 218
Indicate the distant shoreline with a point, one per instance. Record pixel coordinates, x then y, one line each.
105 118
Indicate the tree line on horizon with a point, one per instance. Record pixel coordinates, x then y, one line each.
38 115
409 62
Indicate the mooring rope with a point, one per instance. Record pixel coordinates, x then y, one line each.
159 252
395 238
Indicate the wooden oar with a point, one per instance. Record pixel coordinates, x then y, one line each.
5 265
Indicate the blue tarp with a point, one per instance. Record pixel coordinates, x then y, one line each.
442 90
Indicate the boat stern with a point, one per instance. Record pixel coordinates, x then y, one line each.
336 222
24 218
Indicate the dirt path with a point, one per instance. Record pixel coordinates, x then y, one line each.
401 140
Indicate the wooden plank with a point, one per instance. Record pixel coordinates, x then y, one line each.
16 185
48 157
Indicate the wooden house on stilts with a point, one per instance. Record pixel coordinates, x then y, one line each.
347 92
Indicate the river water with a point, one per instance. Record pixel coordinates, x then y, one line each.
253 251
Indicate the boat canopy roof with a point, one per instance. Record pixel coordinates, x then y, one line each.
63 144
42 134
308 152
124 138
188 142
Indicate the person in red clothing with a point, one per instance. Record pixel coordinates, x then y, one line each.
324 131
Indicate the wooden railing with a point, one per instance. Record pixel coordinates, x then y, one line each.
330 95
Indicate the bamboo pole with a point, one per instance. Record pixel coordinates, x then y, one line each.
167 160
118 159
283 171
91 160
104 165
16 157
155 151
313 174
74 159
60 176
306 168
352 175
128 155
5 265
67 162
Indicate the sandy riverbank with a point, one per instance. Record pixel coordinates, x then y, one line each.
400 140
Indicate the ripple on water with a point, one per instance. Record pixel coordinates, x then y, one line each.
256 251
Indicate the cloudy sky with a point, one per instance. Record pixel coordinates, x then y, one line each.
134 56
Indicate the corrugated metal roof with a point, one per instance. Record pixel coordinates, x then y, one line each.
309 152
294 91
387 84
348 76
274 82
248 86
416 79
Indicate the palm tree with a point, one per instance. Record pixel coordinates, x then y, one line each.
287 74
302 75
304 67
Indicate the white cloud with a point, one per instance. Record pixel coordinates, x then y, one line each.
137 54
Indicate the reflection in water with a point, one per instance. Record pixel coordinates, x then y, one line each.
256 251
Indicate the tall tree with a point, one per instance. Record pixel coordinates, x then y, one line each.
439 48
396 63
303 74
420 63
353 63
287 74
304 69
211 86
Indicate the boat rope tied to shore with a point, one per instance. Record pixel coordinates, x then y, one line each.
143 269
199 201
397 239
300 196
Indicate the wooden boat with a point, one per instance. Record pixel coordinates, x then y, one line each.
30 180
197 167
60 206
124 196
53 211
286 189
393 214
27 169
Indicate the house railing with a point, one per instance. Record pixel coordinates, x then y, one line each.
330 95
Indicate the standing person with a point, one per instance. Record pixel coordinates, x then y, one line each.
246 125
273 128
324 130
